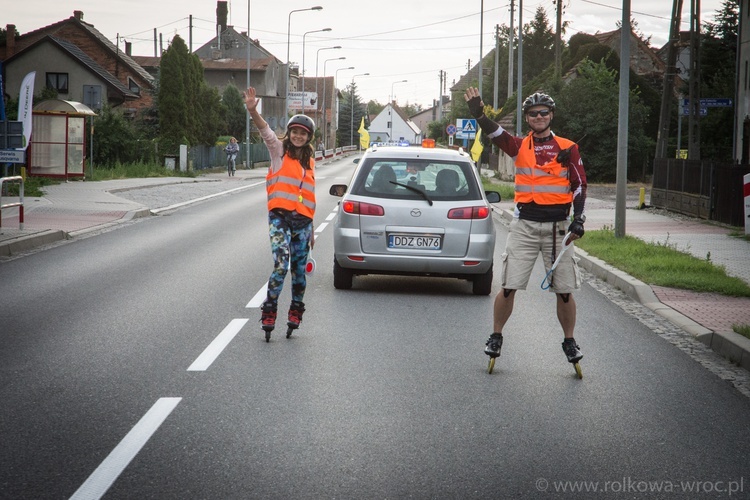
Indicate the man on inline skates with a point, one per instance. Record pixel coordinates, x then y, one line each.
549 178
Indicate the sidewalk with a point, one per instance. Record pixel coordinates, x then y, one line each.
72 209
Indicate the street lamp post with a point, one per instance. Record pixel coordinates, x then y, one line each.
317 56
247 113
351 113
325 100
391 103
335 82
303 62
288 33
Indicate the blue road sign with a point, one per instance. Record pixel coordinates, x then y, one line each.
712 102
466 128
701 111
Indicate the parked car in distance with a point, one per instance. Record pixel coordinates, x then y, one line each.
414 211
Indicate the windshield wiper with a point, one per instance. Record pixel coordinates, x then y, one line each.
416 190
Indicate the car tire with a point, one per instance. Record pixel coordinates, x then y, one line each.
482 283
342 278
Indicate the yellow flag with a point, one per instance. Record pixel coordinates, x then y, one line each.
364 135
477 148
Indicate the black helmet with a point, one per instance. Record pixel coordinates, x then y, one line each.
538 99
304 122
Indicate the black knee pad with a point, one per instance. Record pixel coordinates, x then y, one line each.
564 296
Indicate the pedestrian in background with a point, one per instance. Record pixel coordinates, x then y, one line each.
549 178
290 186
232 150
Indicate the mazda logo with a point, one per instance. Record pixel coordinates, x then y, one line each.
416 212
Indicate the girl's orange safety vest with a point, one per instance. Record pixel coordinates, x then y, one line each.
543 184
292 187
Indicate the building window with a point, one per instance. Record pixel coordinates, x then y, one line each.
58 81
134 87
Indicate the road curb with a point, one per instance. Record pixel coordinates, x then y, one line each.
31 241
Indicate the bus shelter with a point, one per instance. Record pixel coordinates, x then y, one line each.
58 140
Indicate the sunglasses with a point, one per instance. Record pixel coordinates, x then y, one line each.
534 114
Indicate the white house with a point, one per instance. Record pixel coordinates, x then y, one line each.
392 125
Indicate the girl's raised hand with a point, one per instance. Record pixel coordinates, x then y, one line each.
251 102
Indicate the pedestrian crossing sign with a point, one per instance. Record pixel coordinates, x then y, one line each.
466 128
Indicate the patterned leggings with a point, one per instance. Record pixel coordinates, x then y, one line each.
287 244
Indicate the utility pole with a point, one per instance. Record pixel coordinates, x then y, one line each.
481 39
511 36
440 95
519 85
694 128
497 63
622 122
662 138
558 38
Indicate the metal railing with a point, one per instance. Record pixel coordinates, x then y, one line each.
18 204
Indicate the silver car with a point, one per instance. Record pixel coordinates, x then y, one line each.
414 211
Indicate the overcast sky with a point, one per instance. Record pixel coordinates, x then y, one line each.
391 40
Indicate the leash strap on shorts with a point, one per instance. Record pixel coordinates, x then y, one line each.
547 282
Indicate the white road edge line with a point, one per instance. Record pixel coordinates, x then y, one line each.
157 211
209 355
259 297
109 470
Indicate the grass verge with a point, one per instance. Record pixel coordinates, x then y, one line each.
661 264
136 170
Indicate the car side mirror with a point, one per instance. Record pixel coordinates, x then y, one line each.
492 196
337 190
356 160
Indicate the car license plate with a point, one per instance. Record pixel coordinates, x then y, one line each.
415 241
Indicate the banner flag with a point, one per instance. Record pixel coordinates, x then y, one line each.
25 103
364 135
477 148
2 94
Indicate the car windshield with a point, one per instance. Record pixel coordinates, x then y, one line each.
398 178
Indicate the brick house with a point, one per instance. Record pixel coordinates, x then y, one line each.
78 61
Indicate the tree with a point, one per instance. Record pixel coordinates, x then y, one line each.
115 139
189 110
718 56
174 108
538 45
345 135
233 111
588 107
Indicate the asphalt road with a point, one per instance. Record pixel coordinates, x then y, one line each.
130 364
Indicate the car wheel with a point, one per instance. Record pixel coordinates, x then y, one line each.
342 278
482 283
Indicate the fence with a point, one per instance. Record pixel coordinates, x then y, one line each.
18 204
202 157
709 190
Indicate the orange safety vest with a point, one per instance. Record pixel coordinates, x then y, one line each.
292 187
543 184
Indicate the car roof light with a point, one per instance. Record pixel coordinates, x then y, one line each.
428 143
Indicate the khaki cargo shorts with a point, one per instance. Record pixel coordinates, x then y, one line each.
526 240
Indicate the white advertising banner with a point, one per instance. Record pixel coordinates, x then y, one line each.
296 100
25 103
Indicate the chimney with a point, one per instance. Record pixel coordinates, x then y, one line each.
78 14
221 17
128 48
10 40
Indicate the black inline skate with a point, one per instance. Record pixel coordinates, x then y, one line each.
295 317
268 319
494 344
574 355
